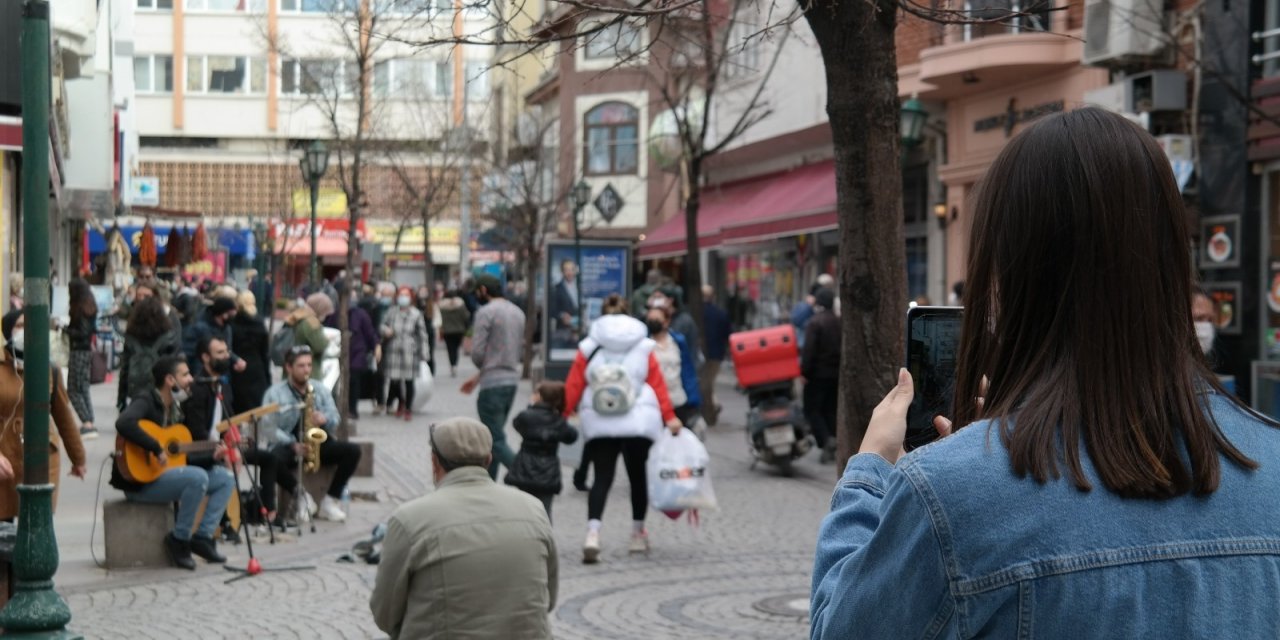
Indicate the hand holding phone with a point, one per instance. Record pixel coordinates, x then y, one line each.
933 337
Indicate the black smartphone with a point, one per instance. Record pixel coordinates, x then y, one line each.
933 341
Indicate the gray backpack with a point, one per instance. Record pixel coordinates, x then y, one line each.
612 393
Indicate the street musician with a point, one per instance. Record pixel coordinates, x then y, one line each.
284 436
187 485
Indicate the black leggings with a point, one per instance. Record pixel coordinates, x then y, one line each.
402 390
602 454
452 341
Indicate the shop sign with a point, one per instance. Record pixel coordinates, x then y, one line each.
330 203
1220 242
144 191
385 234
1013 116
609 203
213 268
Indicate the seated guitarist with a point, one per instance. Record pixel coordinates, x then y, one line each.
281 434
186 485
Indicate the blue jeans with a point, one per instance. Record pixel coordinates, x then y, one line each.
494 405
188 486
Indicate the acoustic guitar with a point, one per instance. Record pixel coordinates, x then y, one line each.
138 465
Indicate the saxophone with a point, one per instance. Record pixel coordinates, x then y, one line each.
312 436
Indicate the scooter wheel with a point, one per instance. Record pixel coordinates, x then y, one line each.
784 467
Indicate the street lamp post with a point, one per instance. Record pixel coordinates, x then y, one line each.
314 163
36 609
579 198
913 119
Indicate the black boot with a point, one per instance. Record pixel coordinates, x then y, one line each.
206 548
179 552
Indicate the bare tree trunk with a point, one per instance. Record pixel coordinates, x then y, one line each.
428 267
857 43
530 314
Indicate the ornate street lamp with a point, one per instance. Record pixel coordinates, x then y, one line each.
314 163
578 199
914 116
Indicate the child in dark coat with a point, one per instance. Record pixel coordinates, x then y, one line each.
542 426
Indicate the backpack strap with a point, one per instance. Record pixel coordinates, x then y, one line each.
593 353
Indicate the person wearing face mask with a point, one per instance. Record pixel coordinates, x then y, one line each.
405 333
210 399
63 432
385 297
676 360
1203 315
188 485
215 323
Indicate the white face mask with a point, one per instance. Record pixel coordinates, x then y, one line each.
180 395
19 341
1205 332
403 301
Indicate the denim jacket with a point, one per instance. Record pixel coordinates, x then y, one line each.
951 544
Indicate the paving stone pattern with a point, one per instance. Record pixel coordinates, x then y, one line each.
700 582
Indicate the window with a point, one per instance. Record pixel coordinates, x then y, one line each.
617 40
1012 16
226 74
153 74
160 5
412 78
743 51
612 140
444 80
477 79
311 6
243 6
319 77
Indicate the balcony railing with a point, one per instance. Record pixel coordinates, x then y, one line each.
1006 16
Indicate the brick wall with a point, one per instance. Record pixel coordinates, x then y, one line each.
236 189
915 35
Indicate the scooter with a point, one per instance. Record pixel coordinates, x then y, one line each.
767 362
776 429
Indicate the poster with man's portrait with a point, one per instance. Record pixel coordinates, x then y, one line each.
576 291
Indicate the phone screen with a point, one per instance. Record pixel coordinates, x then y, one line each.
933 337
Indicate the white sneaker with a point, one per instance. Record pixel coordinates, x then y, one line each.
329 510
306 506
591 548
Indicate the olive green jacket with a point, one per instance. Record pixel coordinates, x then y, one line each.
473 559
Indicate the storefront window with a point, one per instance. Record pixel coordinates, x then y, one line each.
761 287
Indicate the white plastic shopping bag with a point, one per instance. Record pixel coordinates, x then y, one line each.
423 385
678 474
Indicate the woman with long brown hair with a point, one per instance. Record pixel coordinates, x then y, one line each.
1101 483
81 329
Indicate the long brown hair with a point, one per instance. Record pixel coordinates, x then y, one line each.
80 300
1078 309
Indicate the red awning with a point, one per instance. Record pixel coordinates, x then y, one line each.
790 203
325 246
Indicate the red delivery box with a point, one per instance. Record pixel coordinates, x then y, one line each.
765 356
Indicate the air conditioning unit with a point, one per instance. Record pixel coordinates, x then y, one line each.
1120 31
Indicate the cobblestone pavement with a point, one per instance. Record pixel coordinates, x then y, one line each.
744 573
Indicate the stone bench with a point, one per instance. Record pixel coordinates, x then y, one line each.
135 533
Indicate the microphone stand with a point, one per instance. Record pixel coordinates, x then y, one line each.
254 566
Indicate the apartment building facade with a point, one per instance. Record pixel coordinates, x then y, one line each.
229 93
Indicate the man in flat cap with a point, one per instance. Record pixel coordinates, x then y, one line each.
473 559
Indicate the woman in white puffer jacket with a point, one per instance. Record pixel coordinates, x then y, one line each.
617 389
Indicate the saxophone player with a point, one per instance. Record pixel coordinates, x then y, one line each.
283 434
